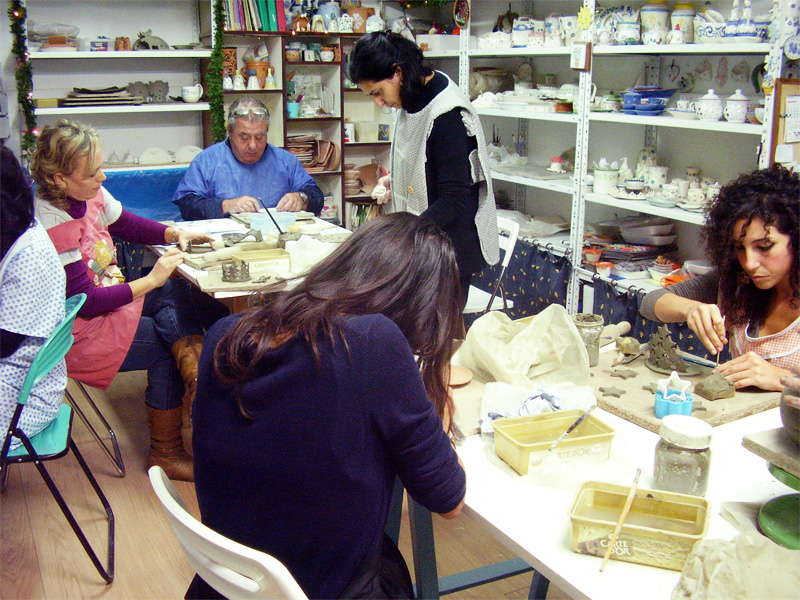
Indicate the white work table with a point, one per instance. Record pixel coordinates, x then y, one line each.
532 520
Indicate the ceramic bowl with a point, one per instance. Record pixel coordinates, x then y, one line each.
634 185
293 55
592 254
351 175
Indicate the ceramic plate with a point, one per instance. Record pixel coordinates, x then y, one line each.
682 114
662 202
185 154
155 156
649 113
697 207
459 376
623 195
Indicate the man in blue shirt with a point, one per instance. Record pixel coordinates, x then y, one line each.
244 172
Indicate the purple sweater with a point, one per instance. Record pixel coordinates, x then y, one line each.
100 300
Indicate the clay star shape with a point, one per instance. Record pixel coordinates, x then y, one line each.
674 385
623 373
611 391
651 387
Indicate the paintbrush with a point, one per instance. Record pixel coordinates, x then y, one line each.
261 202
625 510
563 436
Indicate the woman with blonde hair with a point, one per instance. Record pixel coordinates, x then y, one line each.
143 324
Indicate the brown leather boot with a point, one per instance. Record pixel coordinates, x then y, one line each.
187 354
166 447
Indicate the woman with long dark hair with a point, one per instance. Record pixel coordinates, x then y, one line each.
752 297
310 405
439 167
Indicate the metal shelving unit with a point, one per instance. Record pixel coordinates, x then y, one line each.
745 135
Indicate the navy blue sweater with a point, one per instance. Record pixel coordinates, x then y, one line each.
309 478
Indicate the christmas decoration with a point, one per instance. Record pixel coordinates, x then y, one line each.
17 16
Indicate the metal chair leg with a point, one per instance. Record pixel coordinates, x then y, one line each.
107 573
116 456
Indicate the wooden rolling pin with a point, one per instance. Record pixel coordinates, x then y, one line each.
614 330
226 253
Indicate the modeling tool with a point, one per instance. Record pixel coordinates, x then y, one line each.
563 436
625 510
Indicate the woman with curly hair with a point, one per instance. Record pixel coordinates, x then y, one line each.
752 238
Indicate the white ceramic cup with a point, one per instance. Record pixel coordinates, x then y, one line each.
628 32
670 190
327 55
605 180
696 195
192 93
683 186
553 39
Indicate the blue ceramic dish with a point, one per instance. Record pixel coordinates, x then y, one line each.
655 92
655 108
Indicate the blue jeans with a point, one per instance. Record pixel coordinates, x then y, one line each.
167 316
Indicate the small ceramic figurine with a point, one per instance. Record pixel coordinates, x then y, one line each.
227 82
238 81
301 22
269 82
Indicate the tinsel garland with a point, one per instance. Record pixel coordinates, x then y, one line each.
17 16
214 81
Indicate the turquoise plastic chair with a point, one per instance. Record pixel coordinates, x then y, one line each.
55 441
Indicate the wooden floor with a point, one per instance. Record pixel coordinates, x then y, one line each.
41 558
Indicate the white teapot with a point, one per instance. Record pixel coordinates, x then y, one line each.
709 107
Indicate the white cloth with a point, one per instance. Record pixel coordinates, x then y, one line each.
32 289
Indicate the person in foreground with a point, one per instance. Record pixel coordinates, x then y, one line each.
30 277
244 172
752 297
450 182
145 324
310 405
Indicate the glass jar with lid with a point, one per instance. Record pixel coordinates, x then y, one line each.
683 457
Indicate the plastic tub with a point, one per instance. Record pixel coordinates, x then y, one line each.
660 529
266 261
518 439
697 267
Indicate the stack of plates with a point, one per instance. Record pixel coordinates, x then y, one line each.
649 110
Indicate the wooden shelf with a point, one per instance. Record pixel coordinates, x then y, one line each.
124 109
126 54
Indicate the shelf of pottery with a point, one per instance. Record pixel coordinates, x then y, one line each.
93 66
690 120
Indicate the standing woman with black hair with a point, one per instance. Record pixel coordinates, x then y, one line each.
449 182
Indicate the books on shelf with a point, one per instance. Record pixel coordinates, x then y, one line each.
255 15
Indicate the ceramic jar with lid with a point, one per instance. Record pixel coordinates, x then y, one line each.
735 110
654 15
682 17
683 457
709 107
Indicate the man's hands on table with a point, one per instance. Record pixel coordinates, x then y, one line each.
240 204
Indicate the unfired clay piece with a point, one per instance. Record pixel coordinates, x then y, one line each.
715 387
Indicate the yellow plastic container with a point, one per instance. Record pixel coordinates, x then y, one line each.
519 439
266 261
660 529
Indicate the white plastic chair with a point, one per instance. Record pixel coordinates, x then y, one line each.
234 570
480 301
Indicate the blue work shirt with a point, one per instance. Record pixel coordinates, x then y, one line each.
216 175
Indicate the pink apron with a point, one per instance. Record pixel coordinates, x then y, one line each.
101 342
